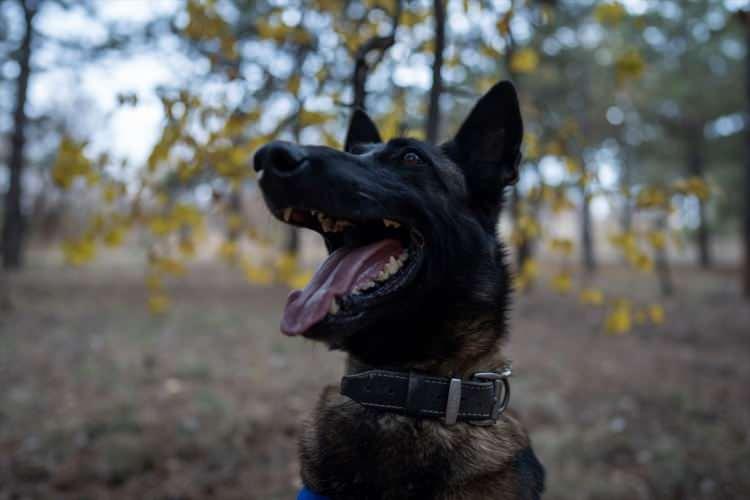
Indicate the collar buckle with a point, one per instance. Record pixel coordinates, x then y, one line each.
502 393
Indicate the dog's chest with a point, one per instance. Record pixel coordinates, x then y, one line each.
360 454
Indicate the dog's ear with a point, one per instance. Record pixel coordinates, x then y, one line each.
487 147
362 130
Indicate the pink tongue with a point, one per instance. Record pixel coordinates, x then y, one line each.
341 272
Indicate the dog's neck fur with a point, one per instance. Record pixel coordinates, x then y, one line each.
482 352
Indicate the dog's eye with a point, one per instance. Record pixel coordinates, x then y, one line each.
411 159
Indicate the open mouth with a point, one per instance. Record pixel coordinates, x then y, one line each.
370 260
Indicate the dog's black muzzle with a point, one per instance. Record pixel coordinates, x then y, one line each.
308 176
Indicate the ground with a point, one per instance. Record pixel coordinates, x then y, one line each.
98 399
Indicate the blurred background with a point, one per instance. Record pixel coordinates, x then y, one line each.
143 280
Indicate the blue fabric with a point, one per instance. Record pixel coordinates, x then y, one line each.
306 494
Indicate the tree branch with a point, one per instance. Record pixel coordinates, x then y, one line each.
362 68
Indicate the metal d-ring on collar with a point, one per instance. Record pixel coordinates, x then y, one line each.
502 386
501 396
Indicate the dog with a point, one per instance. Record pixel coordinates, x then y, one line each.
416 291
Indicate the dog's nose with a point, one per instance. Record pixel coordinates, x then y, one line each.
280 157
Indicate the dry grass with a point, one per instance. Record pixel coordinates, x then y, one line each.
100 400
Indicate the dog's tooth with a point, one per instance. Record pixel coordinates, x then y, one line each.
259 175
334 307
391 223
341 224
287 214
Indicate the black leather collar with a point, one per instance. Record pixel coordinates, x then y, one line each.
479 400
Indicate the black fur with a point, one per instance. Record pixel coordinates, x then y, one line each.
530 474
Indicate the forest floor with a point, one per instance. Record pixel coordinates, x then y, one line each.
99 399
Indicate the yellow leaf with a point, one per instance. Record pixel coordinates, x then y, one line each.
258 275
183 214
561 245
168 265
560 202
79 252
657 239
187 247
71 163
308 118
158 303
503 25
609 13
554 148
629 65
572 166
656 314
154 282
527 274
562 283
161 226
624 241
642 262
111 191
652 197
228 251
114 237
531 143
234 222
286 266
299 280
591 296
294 84
525 60
530 268
693 186
619 319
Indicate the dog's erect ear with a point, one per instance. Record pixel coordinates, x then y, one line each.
488 145
362 130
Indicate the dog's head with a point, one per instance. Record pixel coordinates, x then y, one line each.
411 232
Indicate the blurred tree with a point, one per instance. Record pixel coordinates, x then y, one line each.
74 52
13 221
432 125
745 19
696 83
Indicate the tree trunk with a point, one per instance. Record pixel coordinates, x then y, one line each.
291 245
662 261
626 185
746 197
362 67
14 224
587 244
696 168
587 239
432 127
523 250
